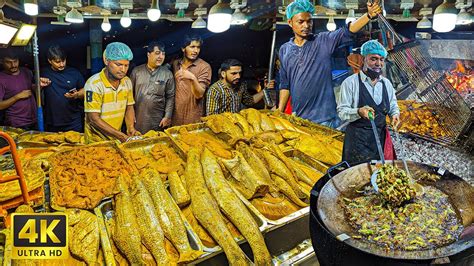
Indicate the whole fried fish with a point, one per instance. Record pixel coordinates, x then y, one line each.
148 223
83 235
257 165
266 124
233 208
241 171
126 234
254 118
286 189
169 216
206 210
277 167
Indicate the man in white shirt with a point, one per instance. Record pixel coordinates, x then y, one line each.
364 93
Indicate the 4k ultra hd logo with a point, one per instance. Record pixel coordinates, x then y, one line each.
39 236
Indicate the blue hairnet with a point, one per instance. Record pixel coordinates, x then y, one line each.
373 47
299 6
118 51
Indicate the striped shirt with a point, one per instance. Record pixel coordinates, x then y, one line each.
111 103
220 98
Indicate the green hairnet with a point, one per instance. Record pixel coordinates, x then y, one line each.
373 47
299 6
118 51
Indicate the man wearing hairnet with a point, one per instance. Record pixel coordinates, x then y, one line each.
305 70
364 93
109 98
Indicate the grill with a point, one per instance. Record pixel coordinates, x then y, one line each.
427 84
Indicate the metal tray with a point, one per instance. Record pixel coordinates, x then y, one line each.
195 129
25 139
63 153
280 222
28 135
145 146
105 212
312 127
307 160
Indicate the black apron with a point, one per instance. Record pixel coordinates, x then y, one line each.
359 140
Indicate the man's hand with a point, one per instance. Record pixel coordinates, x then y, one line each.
373 9
165 122
269 85
73 95
123 137
395 122
184 74
24 94
44 82
133 132
364 111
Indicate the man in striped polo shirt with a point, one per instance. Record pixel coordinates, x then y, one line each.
109 98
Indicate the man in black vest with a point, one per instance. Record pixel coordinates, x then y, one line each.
364 93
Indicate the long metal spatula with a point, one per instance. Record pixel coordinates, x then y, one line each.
373 178
418 188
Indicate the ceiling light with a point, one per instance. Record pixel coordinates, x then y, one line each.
31 7
220 17
351 16
445 17
331 26
24 35
74 16
106 24
154 13
238 18
424 23
125 20
199 23
463 17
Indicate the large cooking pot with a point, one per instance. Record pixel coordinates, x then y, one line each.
328 225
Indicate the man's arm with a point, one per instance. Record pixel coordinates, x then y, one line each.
394 112
130 121
170 92
345 109
12 100
257 97
212 102
284 96
373 9
106 129
196 88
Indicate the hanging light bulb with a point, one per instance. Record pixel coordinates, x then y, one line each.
125 20
219 17
331 26
154 13
463 17
31 7
424 23
74 16
199 23
351 16
445 16
106 24
238 18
